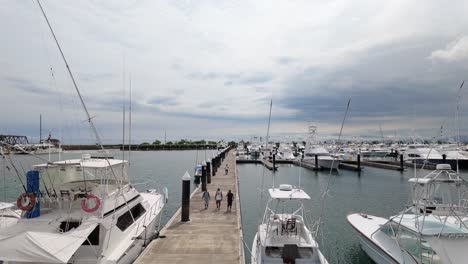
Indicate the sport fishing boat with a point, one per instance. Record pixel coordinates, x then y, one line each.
433 229
81 211
325 159
284 237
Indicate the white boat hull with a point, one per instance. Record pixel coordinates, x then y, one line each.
328 163
374 252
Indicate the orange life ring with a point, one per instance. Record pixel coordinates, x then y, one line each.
92 209
26 201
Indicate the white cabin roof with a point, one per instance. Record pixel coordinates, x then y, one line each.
296 194
85 163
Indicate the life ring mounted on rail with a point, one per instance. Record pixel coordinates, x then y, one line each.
85 207
26 201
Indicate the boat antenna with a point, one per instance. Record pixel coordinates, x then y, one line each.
325 193
88 116
123 112
4 174
40 128
268 129
458 121
130 118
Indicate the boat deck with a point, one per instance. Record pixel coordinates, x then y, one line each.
211 236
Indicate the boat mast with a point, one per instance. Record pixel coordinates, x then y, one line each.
40 128
130 118
88 116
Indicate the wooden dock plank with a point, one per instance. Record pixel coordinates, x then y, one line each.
211 236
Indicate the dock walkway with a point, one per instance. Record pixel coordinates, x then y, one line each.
211 236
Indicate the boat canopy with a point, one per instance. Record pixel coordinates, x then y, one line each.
289 194
36 246
99 170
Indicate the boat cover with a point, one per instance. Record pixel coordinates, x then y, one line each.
38 247
450 249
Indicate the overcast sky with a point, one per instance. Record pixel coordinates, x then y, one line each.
208 69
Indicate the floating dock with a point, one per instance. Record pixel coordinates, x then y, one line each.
212 235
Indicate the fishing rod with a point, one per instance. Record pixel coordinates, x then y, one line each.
14 167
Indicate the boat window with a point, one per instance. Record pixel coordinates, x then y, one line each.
93 238
126 220
389 229
409 241
413 155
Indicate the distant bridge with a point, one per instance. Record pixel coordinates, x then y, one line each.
14 139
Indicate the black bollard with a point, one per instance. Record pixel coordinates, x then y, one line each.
401 162
208 172
359 161
444 158
316 161
185 216
203 177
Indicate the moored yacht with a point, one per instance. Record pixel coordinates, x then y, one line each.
81 211
433 229
325 159
283 236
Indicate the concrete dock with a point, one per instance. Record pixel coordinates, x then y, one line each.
212 235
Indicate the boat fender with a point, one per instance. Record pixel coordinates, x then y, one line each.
92 209
26 201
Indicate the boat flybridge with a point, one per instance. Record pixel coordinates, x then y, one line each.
284 237
81 211
432 230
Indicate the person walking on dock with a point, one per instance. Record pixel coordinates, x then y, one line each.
230 197
226 169
219 198
206 198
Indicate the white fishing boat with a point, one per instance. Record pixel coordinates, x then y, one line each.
81 210
420 153
325 159
284 237
433 229
84 211
312 149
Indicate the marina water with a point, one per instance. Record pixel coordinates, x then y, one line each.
374 191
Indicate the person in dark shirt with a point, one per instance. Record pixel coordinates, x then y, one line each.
230 197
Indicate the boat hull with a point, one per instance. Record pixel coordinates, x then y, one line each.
328 163
374 252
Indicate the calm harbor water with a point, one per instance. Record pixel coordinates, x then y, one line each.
374 191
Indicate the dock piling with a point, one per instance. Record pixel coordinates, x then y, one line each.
185 214
208 172
401 162
203 176
316 161
359 161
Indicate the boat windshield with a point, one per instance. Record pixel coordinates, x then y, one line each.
62 176
411 242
